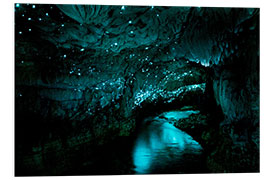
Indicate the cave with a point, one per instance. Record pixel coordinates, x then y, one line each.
122 90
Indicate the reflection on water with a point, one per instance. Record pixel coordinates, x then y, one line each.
162 148
179 114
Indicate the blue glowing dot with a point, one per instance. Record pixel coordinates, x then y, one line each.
157 15
65 56
47 14
123 8
82 49
131 32
33 6
29 30
22 62
20 32
39 19
62 25
22 15
115 44
29 19
130 22
79 74
146 49
17 5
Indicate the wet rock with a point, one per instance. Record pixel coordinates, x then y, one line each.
87 76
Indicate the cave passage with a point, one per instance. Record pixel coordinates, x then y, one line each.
117 90
161 147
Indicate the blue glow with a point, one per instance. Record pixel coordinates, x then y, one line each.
158 139
65 56
34 6
47 14
129 22
17 5
20 32
179 114
82 49
29 30
123 8
29 19
62 25
39 19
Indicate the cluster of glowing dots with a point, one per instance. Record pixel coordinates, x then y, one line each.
29 18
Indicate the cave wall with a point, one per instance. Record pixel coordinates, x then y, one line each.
86 75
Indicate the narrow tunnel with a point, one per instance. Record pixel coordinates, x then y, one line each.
110 90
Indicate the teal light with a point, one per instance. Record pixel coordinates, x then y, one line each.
159 140
17 5
179 114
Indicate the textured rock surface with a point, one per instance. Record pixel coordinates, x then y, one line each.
87 75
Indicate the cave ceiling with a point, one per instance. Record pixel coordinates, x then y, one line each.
89 73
